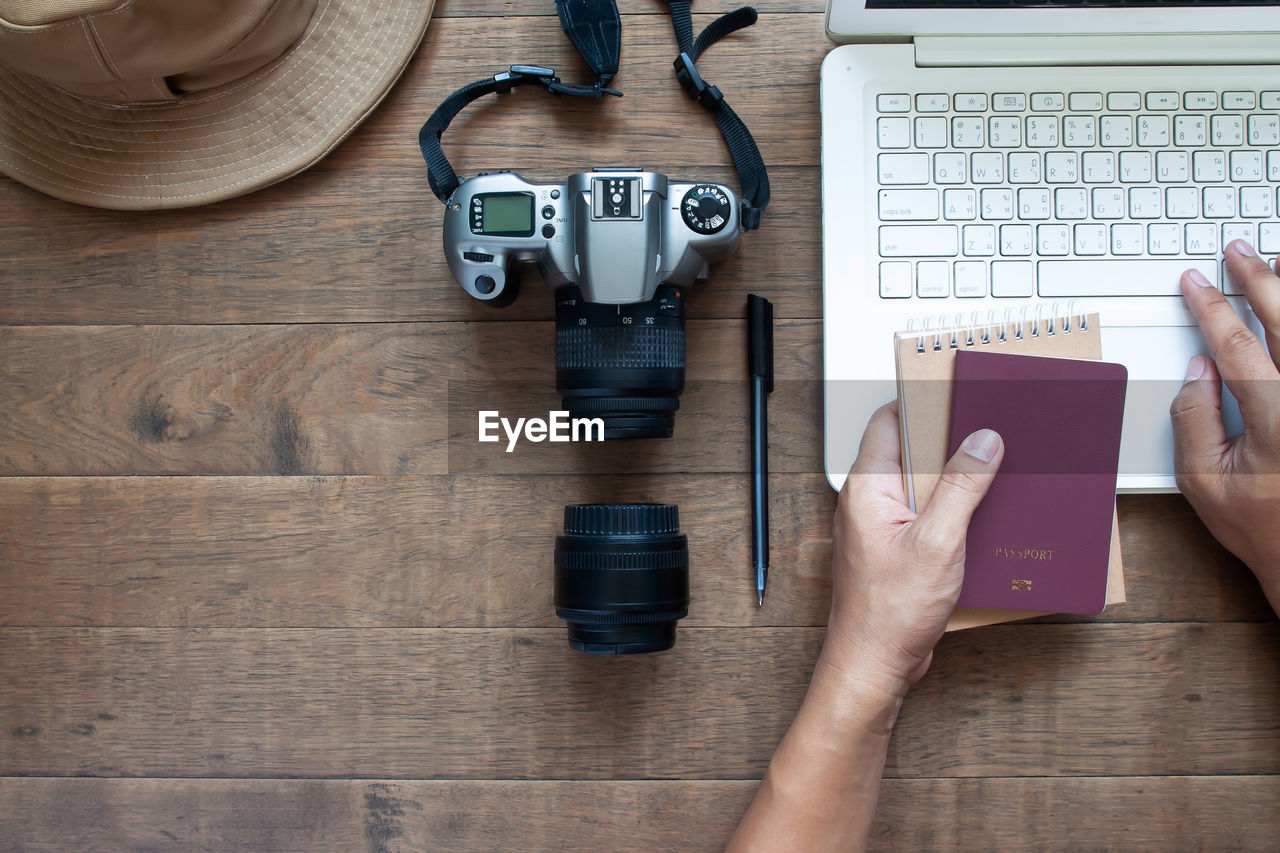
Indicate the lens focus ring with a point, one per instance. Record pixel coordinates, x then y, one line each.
587 347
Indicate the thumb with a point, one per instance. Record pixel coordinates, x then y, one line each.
962 486
1199 438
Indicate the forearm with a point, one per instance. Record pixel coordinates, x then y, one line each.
820 790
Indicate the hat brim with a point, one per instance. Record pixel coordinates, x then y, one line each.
220 143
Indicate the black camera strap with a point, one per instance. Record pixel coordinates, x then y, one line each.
595 29
752 176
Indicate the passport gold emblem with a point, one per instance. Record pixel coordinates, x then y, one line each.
1021 585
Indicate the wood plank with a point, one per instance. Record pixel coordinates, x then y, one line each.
361 399
357 238
261 552
1115 813
1022 700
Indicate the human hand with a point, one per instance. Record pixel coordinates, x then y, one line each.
1233 483
897 574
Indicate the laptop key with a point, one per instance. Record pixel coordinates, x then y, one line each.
1085 101
1200 100
971 279
1094 278
1269 237
959 204
895 280
1048 102
933 103
933 279
894 132
1006 102
893 103
1238 100
1202 239
931 132
919 241
979 240
904 168
898 205
1124 101
1235 231
1012 278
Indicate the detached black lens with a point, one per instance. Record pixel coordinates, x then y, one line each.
622 577
623 364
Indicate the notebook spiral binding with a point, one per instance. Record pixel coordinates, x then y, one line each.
958 331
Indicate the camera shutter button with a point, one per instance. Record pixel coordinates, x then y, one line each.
485 284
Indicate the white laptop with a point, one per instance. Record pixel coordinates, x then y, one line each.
985 158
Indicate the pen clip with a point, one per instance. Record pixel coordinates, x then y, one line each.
760 339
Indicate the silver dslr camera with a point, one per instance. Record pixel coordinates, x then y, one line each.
615 233
620 246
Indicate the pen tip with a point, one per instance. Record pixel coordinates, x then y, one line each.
759 599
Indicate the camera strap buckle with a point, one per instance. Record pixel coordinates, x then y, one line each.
505 81
691 81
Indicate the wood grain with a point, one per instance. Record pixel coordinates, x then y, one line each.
360 399
1021 700
345 588
468 551
358 237
1113 813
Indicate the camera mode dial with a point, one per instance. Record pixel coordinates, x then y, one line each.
705 208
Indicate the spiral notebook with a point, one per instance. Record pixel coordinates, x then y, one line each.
925 361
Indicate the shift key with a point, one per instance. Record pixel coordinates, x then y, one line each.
919 241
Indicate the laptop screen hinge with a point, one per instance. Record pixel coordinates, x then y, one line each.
1118 49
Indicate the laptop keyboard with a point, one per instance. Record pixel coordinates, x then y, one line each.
1071 194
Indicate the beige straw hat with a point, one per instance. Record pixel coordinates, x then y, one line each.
139 104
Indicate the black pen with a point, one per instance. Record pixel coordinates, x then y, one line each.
760 368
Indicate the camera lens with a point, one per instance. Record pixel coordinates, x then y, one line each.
622 577
623 364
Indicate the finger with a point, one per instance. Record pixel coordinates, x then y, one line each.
1242 362
1261 287
962 486
881 449
1199 438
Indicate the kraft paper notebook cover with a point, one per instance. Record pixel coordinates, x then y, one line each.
1040 540
925 363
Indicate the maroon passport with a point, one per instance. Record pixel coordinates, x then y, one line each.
1041 537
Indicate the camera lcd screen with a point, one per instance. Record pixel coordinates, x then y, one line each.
508 214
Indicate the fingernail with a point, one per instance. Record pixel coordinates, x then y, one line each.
1244 248
1197 277
1195 369
982 445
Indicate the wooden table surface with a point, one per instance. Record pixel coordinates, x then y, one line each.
261 589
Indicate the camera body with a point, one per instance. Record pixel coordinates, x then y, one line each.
615 233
